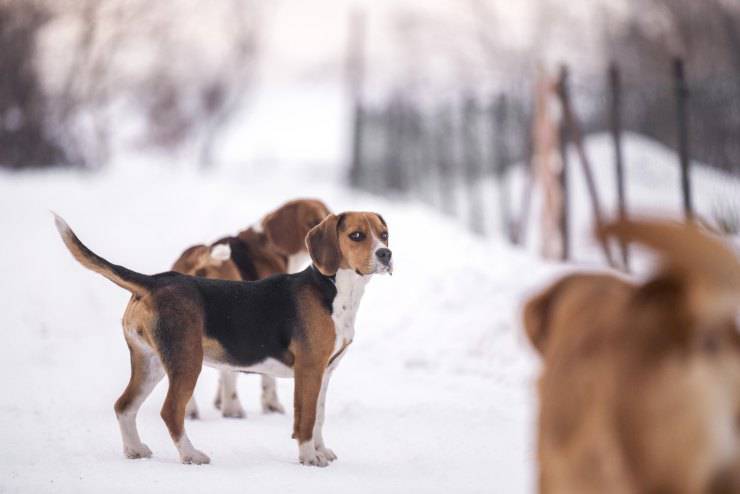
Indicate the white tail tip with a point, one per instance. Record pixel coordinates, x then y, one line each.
221 252
61 225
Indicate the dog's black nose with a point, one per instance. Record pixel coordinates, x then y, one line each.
383 255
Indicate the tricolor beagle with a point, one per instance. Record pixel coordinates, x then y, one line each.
289 325
276 245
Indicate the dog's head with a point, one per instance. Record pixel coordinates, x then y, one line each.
286 227
351 240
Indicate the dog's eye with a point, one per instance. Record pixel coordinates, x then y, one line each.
357 236
384 236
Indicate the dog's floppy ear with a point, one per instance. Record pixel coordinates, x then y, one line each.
282 229
323 245
535 317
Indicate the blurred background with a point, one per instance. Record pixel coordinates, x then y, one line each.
488 133
457 104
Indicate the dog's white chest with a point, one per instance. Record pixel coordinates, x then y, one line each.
350 287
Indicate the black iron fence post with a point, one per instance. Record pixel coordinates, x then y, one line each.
563 138
615 121
501 161
444 157
355 80
682 96
472 164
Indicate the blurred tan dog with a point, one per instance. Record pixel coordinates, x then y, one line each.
640 389
276 245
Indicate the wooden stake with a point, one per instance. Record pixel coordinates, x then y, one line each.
576 136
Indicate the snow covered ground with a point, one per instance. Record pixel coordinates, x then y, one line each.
435 395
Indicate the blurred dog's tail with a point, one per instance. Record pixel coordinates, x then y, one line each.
137 283
708 265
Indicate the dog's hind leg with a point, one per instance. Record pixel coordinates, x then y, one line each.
177 336
146 372
270 401
183 361
230 405
182 383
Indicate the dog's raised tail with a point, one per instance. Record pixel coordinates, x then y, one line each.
132 281
708 264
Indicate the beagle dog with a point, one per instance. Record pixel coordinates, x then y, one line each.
640 388
276 245
287 325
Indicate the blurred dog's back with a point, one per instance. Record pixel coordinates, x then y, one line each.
640 390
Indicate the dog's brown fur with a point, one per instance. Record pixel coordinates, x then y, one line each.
282 234
165 328
640 390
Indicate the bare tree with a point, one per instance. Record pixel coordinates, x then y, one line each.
25 136
223 97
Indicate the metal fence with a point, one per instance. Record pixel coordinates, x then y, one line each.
441 152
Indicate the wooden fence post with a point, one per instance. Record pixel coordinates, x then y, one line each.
575 134
615 121
682 95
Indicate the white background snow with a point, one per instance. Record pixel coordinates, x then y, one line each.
433 395
436 393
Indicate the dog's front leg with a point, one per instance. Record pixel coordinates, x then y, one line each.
318 435
308 384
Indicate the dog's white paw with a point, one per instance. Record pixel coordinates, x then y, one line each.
195 457
191 412
136 452
313 458
326 452
272 405
233 409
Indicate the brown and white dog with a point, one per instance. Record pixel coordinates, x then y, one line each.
640 390
287 325
276 245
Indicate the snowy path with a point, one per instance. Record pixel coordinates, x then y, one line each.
434 396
